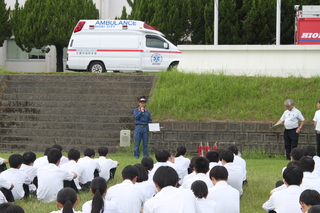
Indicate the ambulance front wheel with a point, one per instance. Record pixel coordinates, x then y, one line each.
97 67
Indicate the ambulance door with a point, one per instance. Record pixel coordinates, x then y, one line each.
156 56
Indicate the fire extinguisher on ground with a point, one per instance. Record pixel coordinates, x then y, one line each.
215 147
200 150
207 148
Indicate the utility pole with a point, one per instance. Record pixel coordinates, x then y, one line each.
216 22
278 31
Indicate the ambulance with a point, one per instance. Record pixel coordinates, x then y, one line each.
121 46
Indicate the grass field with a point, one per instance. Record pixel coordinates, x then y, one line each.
263 172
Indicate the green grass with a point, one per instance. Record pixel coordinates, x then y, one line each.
263 172
207 97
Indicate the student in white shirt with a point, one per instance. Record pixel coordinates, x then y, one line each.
5 193
147 162
226 197
182 163
107 166
42 161
235 172
98 204
287 200
309 198
89 164
73 166
51 177
310 151
163 157
67 200
16 176
191 169
200 190
239 161
310 180
127 195
213 157
63 159
11 208
316 119
201 165
29 169
170 198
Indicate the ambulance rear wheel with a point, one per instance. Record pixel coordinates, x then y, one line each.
97 67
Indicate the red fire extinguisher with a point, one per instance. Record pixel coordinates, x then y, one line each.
215 147
200 150
207 148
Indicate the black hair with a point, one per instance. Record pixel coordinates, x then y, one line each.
294 163
147 162
57 146
130 172
29 157
89 152
10 208
165 176
309 151
162 155
310 197
46 151
314 209
219 173
233 149
143 173
67 197
296 154
212 156
219 151
103 151
199 188
307 164
98 187
201 165
293 175
227 155
73 154
181 150
15 160
54 155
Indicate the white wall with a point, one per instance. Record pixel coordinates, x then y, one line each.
251 60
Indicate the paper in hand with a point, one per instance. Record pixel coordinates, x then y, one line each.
154 127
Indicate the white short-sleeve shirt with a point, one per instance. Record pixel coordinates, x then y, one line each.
41 161
182 164
31 171
89 165
105 166
291 118
72 166
235 176
109 207
200 176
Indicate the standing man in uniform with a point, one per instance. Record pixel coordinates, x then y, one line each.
292 130
316 119
142 118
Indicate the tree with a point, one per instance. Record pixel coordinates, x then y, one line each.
5 29
209 22
40 23
196 12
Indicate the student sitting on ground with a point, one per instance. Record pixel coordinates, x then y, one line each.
191 169
310 151
170 198
89 164
200 190
42 161
16 176
147 187
107 166
63 159
213 158
147 162
309 198
310 180
29 169
10 208
182 163
98 204
51 177
67 200
239 161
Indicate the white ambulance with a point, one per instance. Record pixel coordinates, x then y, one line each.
119 45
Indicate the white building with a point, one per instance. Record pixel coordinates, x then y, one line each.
13 59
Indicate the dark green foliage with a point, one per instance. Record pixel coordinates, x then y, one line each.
5 29
40 23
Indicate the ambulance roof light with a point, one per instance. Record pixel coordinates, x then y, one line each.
79 26
147 26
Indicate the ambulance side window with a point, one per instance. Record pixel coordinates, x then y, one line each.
156 42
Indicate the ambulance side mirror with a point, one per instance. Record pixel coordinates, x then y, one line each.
165 45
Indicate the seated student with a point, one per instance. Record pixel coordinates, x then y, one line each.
147 187
16 176
226 197
89 164
98 204
42 161
310 180
72 166
201 166
200 190
63 159
310 151
67 200
182 163
31 171
314 209
309 198
170 198
191 169
10 208
213 158
107 166
295 155
127 195
287 200
147 162
3 165
51 177
235 172
5 190
163 157
239 161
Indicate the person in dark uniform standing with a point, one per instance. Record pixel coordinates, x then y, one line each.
291 118
142 117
